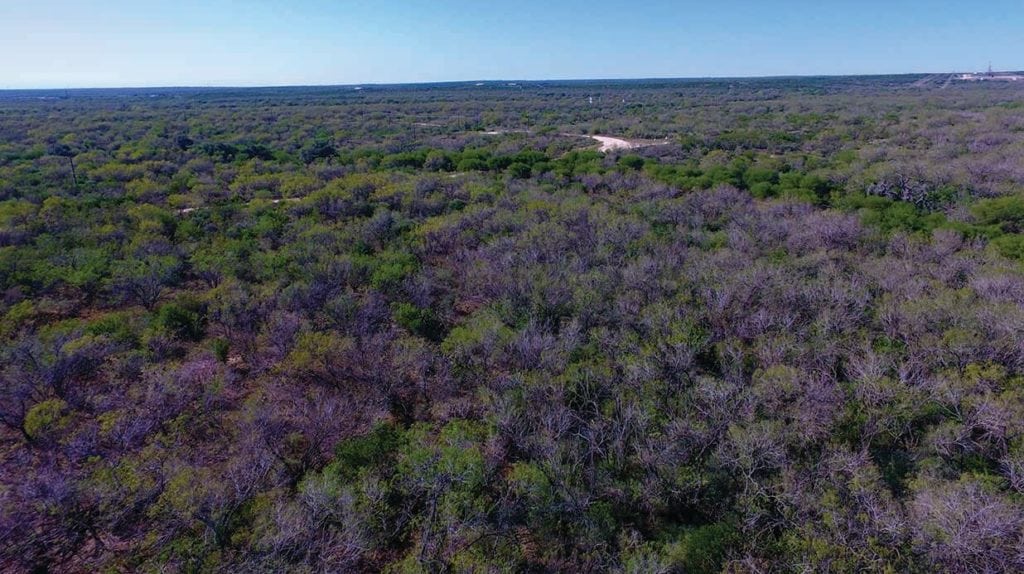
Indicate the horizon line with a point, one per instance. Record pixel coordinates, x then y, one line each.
472 81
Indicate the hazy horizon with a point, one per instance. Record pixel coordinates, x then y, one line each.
61 44
489 81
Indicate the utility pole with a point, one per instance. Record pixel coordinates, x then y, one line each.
64 150
74 176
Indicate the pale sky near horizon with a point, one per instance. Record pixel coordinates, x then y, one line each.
114 43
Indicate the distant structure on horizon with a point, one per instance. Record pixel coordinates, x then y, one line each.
990 76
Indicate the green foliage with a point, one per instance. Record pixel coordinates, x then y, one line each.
220 151
390 268
1007 212
45 418
1011 246
577 163
120 326
472 164
321 149
405 160
83 268
184 319
16 316
143 280
356 454
471 344
15 212
422 322
519 170
314 353
703 550
889 215
221 347
631 162
438 161
451 460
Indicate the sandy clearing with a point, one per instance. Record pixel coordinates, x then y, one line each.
187 210
609 143
503 132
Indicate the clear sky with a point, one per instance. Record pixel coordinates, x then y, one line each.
89 43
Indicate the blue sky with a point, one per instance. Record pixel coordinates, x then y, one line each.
84 43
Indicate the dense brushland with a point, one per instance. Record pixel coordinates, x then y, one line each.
347 330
